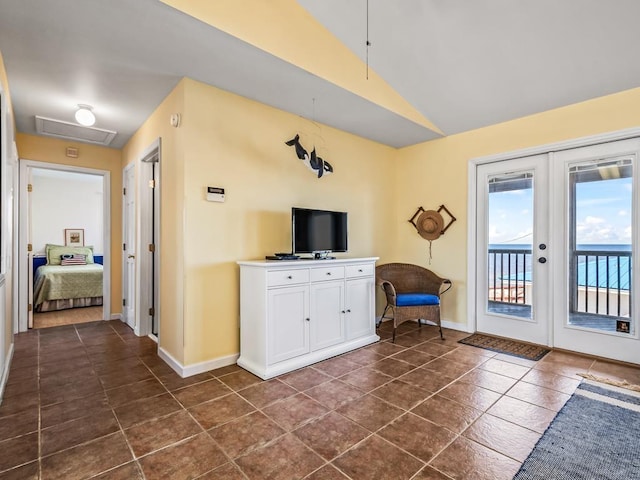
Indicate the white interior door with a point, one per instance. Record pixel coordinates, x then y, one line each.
597 229
512 284
129 247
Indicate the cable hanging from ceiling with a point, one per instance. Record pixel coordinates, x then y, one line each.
367 42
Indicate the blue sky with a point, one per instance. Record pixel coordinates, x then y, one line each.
603 214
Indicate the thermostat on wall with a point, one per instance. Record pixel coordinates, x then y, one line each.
215 194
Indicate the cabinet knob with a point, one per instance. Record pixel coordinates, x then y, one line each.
348 311
328 273
360 270
289 277
343 311
308 319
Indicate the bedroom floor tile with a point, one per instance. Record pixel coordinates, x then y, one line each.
110 408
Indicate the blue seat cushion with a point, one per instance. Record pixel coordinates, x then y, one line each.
413 299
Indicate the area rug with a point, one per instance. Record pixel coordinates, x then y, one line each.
596 435
503 345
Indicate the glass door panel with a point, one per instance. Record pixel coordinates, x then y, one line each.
600 213
510 278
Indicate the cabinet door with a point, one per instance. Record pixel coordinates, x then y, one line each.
287 323
327 314
360 317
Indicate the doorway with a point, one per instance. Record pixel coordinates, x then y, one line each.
141 242
51 228
555 248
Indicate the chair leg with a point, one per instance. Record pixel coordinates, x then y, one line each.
384 312
441 335
393 340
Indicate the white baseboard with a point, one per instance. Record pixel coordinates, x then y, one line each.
5 372
116 316
196 368
462 327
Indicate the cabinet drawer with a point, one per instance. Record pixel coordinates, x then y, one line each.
278 278
360 270
326 273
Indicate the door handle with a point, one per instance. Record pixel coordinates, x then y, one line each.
542 260
131 256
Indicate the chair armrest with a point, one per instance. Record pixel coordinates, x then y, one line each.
389 291
448 283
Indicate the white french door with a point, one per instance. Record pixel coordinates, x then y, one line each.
512 296
596 277
557 249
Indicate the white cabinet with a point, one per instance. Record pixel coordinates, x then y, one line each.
295 313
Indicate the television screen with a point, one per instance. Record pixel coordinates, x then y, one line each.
318 230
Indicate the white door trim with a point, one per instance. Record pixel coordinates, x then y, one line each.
144 235
471 203
23 276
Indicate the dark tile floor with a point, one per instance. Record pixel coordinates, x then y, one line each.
95 401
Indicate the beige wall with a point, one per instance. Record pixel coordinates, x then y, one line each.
229 141
435 173
50 150
238 144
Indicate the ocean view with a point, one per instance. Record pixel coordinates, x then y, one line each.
609 269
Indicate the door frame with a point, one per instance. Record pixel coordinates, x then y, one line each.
24 221
472 221
148 266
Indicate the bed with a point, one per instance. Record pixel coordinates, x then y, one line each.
60 282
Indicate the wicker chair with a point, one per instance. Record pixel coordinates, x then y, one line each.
413 293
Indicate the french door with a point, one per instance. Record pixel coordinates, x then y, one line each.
594 311
512 298
556 249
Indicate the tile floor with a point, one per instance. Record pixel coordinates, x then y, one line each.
94 401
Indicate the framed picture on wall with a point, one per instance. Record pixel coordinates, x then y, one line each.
74 237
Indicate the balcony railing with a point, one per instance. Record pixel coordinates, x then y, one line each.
600 280
510 275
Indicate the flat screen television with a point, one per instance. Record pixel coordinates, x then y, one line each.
318 232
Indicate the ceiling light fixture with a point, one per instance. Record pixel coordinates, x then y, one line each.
84 115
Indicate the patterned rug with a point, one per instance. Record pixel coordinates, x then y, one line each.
594 436
503 345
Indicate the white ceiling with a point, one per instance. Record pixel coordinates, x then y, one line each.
463 64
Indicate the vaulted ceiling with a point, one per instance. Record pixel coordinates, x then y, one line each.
433 67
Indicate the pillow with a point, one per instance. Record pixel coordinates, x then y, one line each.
73 259
48 247
54 253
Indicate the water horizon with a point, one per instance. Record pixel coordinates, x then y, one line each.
624 247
